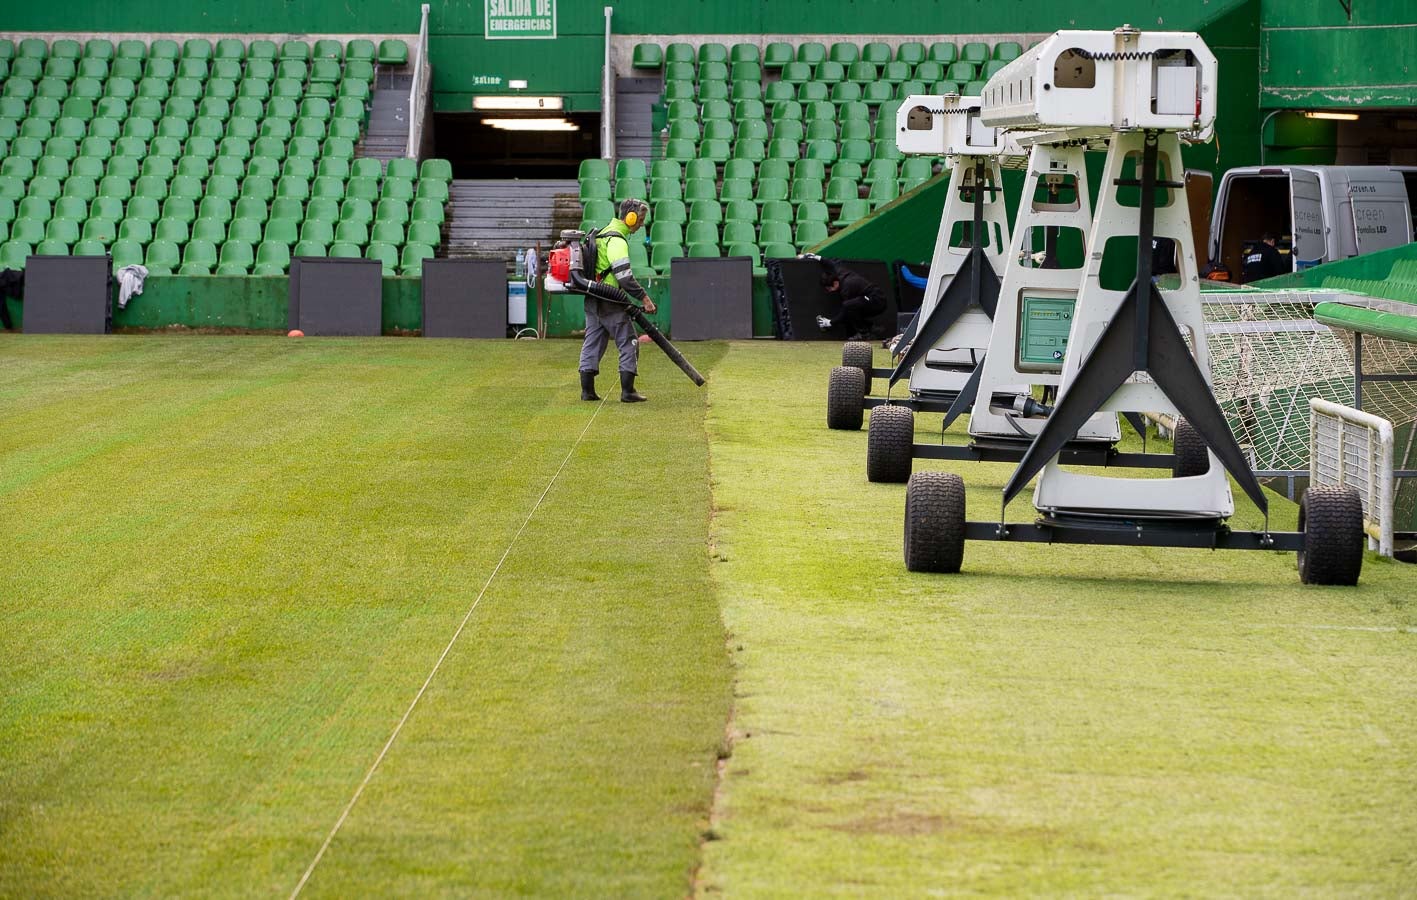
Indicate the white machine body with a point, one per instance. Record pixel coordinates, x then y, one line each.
948 125
1096 83
1081 85
1029 338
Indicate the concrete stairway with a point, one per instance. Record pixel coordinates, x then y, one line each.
494 219
387 135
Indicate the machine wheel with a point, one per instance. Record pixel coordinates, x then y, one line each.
858 355
845 393
1192 458
890 445
934 522
1331 519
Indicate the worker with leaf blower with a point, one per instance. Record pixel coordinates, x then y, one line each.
604 319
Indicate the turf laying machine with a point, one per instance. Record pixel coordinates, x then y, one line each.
1134 349
947 337
1025 332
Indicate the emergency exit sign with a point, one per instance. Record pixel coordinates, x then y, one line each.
520 19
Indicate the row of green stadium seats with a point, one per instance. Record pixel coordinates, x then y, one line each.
198 70
834 72
912 167
732 231
203 147
389 52
116 109
824 129
261 187
772 210
132 166
186 88
835 190
220 211
748 110
234 257
181 129
288 231
780 53
872 93
757 150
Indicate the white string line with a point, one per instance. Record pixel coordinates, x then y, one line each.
429 680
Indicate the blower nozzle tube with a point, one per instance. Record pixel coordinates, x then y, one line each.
602 291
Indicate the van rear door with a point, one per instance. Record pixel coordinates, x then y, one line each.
1380 215
1307 225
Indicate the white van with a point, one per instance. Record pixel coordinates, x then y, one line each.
1322 213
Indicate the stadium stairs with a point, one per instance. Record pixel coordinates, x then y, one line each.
495 219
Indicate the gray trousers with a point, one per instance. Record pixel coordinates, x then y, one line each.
604 321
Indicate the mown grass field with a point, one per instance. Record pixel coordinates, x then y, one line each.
231 562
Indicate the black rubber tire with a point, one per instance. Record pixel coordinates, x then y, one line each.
859 355
1191 455
1331 519
846 392
890 445
934 522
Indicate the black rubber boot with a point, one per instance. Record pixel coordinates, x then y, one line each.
628 394
588 386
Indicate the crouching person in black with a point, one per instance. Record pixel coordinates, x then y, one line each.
861 301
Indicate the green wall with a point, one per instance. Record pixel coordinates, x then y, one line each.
571 64
1314 54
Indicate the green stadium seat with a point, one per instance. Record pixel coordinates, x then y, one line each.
700 189
246 229
862 72
387 233
992 68
90 248
825 151
809 168
780 92
750 149
662 255
66 231
779 148
82 187
883 192
393 52
352 231
748 70
328 49
841 190
962 71
670 211
211 229
944 52
666 233
712 52
230 48
740 211
89 166
180 209
199 257
805 190
814 91
424 233
45 188
272 258
777 54
345 250
855 130
310 248
163 258
172 230
736 231
236 258
679 52
13 254
811 52
752 129
33 48
99 49
647 56
704 251
322 209
679 89
136 230
52 248
61 69
214 207
713 90
386 254
681 150
411 260
976 52
706 211
812 211
844 52
829 72
600 210
774 231
809 234
625 168
713 71
665 189
973 89
440 169
360 49
797 73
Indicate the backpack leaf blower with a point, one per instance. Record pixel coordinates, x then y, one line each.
571 270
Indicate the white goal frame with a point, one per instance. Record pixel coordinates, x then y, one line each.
1352 448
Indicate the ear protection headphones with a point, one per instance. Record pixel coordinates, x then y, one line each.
634 212
632 218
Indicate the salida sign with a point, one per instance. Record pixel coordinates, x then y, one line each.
520 19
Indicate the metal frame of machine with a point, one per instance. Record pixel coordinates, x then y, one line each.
1127 352
948 335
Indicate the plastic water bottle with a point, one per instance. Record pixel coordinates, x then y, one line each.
521 264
